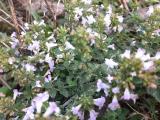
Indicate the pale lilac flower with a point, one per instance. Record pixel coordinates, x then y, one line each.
90 19
50 45
110 63
126 54
140 54
78 11
115 90
76 111
69 46
157 56
38 84
84 21
150 10
107 20
39 99
112 46
35 46
29 113
148 65
87 2
110 78
51 109
99 102
50 62
102 86
114 104
15 42
48 78
29 67
93 115
127 94
16 93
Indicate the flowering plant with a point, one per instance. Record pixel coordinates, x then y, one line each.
95 65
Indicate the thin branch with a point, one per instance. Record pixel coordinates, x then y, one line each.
14 19
5 83
144 116
51 11
6 21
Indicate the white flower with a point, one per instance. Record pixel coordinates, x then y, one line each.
102 86
90 19
16 93
110 63
39 99
11 60
107 20
133 74
26 26
15 42
133 43
140 54
110 78
50 62
157 56
126 54
112 46
51 109
114 104
29 113
87 2
120 18
120 28
115 90
127 94
150 10
84 21
38 84
50 45
99 102
93 115
78 11
29 67
69 46
35 46
148 65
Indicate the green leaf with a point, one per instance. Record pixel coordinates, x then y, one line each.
155 93
53 92
5 91
64 92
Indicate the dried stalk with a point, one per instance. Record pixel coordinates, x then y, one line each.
14 19
50 10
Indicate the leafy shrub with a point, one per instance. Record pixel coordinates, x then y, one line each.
99 63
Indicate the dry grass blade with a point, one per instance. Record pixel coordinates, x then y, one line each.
14 19
50 10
